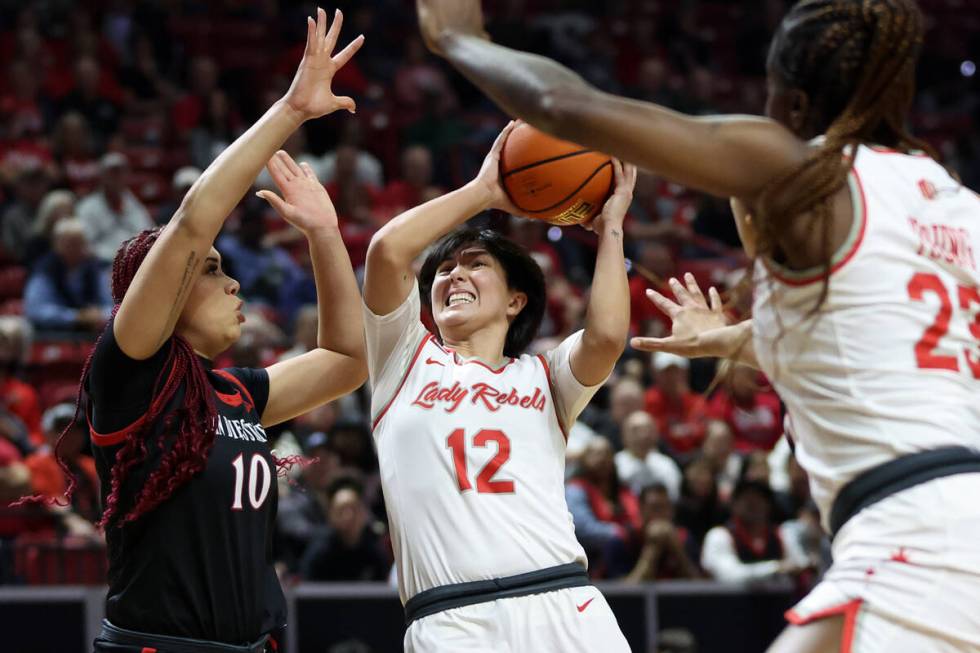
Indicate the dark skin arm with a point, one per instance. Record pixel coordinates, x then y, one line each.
727 156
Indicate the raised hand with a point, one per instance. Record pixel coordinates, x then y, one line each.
691 316
310 94
489 175
615 208
305 204
437 18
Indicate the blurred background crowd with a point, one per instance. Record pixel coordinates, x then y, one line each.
110 109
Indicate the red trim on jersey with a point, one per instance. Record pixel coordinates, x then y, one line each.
820 276
850 612
418 351
109 439
554 401
459 361
147 649
880 149
234 400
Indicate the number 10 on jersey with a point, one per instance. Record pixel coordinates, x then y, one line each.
485 483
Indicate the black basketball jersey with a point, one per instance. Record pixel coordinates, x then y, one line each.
199 565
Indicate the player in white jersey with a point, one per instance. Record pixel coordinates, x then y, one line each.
882 382
470 431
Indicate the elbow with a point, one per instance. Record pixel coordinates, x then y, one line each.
609 343
193 212
559 110
383 251
355 373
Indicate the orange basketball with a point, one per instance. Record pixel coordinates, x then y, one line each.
554 180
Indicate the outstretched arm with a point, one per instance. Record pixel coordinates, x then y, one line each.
697 329
607 319
160 288
727 156
388 276
337 366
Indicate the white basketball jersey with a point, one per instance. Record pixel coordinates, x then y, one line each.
891 364
472 458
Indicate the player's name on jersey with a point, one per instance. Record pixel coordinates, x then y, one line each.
238 429
478 394
944 243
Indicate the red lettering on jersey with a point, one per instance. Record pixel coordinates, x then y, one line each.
493 399
928 189
482 393
943 243
432 393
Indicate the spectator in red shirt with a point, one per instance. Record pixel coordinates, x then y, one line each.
645 318
89 99
49 479
74 151
605 512
19 398
413 188
667 550
202 81
15 479
750 408
681 414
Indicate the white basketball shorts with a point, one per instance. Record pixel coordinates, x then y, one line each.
572 620
906 573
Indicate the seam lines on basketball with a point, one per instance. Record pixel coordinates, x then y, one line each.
544 161
569 196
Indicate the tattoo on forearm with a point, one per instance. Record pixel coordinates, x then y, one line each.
182 290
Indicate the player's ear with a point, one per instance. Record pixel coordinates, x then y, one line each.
518 300
799 111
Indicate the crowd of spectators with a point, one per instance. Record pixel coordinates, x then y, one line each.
109 111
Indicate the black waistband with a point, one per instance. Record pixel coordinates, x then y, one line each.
897 475
168 644
447 597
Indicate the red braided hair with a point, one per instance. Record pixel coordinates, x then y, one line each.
194 421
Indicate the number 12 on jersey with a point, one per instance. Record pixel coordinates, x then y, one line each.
484 480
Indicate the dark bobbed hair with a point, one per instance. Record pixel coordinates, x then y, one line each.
521 270
855 60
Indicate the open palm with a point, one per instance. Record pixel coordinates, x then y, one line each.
691 315
305 203
310 93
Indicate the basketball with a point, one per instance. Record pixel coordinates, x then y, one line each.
553 180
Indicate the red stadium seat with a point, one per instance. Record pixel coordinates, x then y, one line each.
46 560
12 280
12 307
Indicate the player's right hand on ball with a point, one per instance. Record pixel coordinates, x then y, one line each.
310 94
488 179
691 316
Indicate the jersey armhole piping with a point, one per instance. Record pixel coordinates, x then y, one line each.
554 399
843 255
401 384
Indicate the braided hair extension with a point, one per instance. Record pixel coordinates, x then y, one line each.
855 60
194 422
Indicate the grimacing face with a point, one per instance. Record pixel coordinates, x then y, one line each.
470 292
212 317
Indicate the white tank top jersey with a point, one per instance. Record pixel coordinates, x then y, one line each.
472 458
891 364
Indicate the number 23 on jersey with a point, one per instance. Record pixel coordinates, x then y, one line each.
968 299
